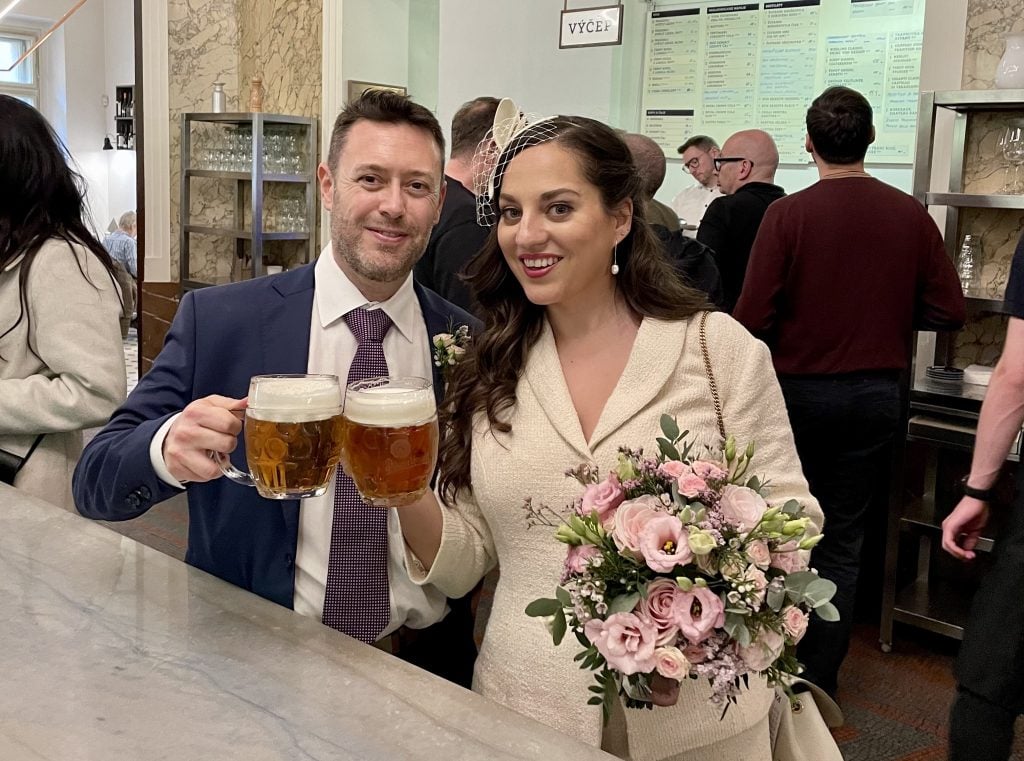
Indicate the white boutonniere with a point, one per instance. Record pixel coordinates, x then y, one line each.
450 347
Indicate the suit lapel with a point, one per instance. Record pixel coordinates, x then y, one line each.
652 362
544 374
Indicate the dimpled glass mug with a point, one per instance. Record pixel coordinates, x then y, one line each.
293 436
390 439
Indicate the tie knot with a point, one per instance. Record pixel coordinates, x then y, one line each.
368 324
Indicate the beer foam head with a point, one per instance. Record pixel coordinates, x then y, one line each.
296 399
390 406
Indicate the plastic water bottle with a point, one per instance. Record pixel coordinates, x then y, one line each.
968 266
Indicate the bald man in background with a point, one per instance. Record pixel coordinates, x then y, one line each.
746 174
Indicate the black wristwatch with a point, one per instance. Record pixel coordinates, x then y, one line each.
985 495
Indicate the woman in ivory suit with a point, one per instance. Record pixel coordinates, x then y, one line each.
589 339
61 360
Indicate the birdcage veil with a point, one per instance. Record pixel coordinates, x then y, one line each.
513 132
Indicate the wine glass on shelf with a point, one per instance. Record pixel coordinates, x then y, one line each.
1012 145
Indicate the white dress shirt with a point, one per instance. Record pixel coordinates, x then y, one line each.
332 346
691 203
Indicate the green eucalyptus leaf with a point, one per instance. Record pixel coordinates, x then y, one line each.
543 607
792 507
668 449
563 597
754 483
559 627
623 603
819 591
776 597
669 428
827 612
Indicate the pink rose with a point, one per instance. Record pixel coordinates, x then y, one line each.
664 543
672 469
578 558
671 663
695 653
794 623
762 652
626 641
631 518
709 471
742 507
698 613
756 576
788 559
604 497
758 553
691 485
659 608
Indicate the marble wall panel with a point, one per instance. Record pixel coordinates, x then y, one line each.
203 40
987 22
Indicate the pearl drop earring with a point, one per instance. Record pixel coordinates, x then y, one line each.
615 259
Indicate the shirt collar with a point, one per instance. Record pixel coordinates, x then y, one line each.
336 296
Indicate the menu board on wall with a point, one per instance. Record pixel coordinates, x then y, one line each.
713 68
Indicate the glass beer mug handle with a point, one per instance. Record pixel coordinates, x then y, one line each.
229 470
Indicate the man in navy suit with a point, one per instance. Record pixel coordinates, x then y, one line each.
383 186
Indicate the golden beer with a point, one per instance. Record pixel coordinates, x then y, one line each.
390 439
293 433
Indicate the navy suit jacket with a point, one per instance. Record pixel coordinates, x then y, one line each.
219 339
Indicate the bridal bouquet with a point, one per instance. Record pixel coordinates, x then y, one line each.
677 566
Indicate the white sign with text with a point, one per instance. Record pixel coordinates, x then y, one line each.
589 27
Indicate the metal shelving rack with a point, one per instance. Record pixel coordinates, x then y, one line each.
249 184
939 419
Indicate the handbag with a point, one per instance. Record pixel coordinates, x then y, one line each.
798 726
11 463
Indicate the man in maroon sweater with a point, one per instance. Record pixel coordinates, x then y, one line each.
839 277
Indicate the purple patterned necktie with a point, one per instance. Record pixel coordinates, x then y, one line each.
357 600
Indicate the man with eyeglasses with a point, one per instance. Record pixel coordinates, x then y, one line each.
746 173
698 154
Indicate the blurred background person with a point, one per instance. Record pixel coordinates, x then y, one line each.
746 174
457 237
123 249
698 154
840 276
61 361
691 259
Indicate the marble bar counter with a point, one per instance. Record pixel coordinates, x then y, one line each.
111 650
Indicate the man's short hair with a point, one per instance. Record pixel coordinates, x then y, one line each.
701 142
128 220
471 124
385 107
649 160
839 125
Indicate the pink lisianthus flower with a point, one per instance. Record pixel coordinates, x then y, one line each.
672 469
626 641
763 650
671 663
691 485
659 608
698 613
605 498
631 518
709 471
577 560
789 559
742 507
794 623
664 543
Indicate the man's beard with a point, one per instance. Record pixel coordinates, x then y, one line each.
375 262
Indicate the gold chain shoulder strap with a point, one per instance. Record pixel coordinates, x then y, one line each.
711 376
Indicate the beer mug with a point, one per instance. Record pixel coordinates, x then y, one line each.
293 431
390 439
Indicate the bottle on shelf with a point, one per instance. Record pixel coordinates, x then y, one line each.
968 266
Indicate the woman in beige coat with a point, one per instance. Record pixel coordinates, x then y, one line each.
61 361
589 338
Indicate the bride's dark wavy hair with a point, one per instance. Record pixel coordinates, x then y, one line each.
41 197
486 378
